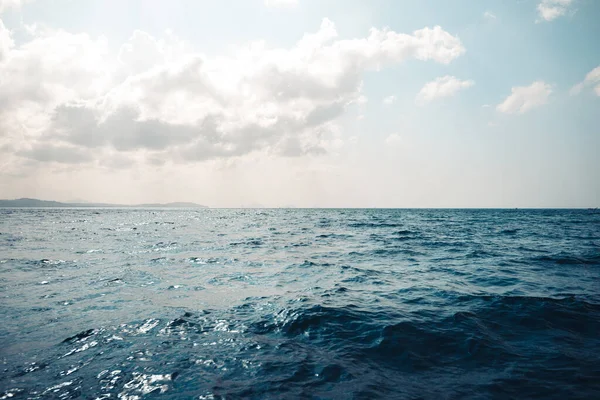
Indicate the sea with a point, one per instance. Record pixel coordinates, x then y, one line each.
299 304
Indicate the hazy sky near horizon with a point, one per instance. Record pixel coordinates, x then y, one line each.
349 103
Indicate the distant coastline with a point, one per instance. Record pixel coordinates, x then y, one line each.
36 203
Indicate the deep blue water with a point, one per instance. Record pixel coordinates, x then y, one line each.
415 304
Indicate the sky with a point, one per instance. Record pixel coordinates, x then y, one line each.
303 103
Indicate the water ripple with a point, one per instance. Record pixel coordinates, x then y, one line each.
258 304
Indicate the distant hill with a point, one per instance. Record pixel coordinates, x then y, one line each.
56 204
31 203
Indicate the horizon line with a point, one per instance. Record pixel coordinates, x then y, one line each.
108 205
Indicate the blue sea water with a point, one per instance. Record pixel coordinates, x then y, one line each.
294 303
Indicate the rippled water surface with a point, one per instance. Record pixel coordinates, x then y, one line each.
431 304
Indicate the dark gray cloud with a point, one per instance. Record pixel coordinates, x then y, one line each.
123 130
207 139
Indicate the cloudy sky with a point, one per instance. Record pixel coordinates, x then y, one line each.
349 103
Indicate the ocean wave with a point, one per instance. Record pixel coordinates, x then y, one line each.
466 304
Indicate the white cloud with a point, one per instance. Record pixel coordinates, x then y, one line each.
591 79
362 100
281 3
6 4
525 98
549 10
489 15
31 29
54 67
444 86
575 90
393 139
64 96
6 42
389 100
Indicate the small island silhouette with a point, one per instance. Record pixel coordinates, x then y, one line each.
36 203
